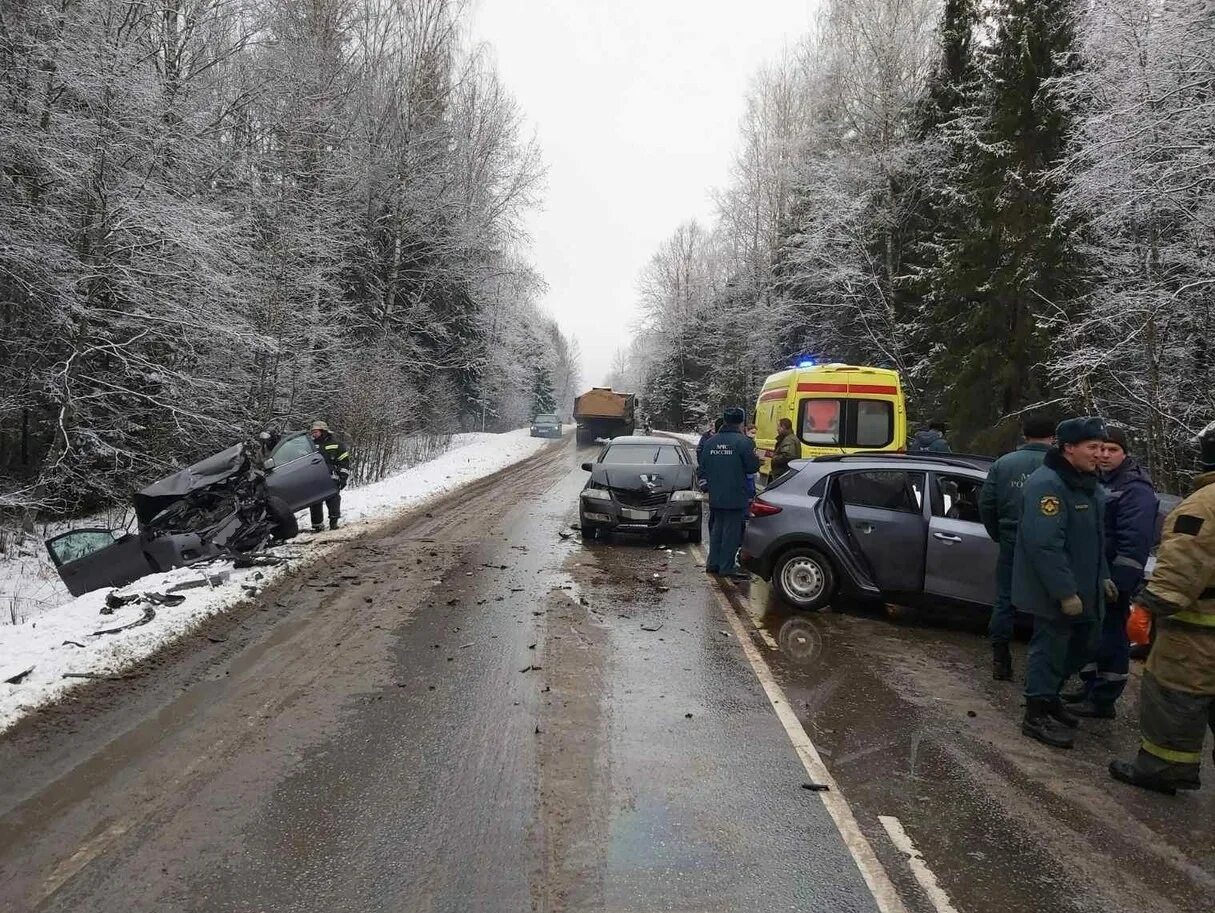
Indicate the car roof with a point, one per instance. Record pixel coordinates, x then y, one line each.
976 462
645 439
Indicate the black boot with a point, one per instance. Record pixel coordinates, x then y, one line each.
333 523
1165 781
1039 724
1062 715
1001 663
1091 711
318 527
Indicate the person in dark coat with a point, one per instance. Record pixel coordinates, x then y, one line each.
337 458
1130 532
1060 573
788 448
1000 511
931 439
727 458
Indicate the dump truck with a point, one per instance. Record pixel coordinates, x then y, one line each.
601 412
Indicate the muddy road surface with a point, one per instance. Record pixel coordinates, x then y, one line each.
471 710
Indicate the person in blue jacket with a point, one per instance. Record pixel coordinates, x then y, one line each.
725 461
1000 511
1060 573
1130 533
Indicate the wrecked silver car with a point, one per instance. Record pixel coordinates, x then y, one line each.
235 501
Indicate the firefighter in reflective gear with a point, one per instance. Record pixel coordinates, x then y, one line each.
1000 511
1177 700
337 457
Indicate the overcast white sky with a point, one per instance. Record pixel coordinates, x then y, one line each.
636 103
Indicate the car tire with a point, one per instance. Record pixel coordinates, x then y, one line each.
804 579
589 533
285 524
695 536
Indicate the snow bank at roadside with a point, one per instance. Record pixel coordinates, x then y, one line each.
688 437
64 640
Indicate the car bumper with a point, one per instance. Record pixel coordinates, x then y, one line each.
546 432
678 515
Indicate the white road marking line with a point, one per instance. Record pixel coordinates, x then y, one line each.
763 632
880 885
88 851
923 874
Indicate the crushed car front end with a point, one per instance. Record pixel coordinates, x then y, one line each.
612 501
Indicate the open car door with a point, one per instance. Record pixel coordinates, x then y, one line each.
885 516
300 475
89 559
961 557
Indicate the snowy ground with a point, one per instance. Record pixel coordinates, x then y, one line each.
64 640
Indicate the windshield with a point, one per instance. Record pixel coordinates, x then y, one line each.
641 454
547 419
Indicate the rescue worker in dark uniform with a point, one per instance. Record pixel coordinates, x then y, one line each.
787 448
337 458
1177 698
1060 573
1000 511
1130 532
726 460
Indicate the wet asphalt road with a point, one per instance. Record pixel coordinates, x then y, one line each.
484 715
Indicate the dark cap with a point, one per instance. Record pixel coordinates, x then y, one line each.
1117 436
734 416
1078 430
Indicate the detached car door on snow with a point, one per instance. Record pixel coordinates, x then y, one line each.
88 559
961 558
300 475
884 509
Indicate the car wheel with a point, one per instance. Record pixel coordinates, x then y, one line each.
695 535
589 533
285 524
804 579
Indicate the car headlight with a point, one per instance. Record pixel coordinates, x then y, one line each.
598 494
685 496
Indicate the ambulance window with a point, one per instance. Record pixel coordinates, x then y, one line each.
821 421
874 423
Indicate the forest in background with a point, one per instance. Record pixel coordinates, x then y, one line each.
1009 201
223 215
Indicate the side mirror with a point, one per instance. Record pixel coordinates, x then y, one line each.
268 463
587 467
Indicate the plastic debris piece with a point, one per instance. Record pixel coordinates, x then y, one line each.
148 614
816 787
19 677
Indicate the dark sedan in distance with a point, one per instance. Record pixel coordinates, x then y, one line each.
641 485
546 425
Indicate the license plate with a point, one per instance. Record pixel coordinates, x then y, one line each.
629 514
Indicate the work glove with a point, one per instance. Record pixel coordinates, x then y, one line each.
1072 606
1111 590
1139 625
341 478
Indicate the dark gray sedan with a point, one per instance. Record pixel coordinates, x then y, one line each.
546 425
233 501
643 485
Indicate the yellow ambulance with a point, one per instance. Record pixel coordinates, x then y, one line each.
834 408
